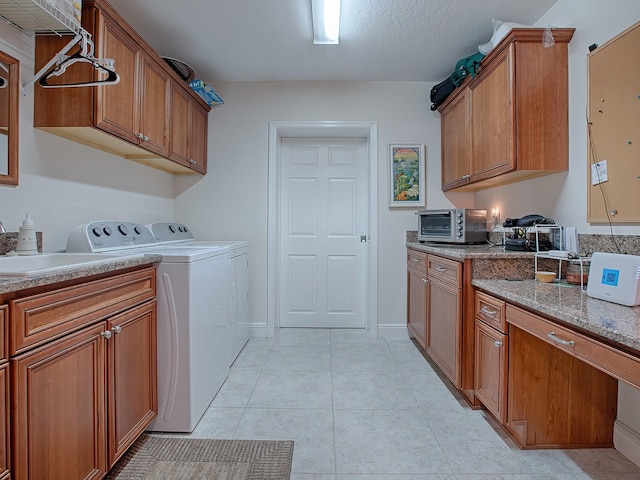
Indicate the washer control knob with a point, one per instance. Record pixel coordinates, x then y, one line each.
172 229
137 230
107 231
123 229
96 232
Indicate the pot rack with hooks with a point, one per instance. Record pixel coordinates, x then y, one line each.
42 16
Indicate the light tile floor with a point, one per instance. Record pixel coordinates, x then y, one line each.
364 409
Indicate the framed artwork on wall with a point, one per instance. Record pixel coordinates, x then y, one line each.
407 175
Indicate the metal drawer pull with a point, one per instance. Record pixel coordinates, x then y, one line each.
424 280
497 343
486 311
415 260
441 269
116 329
106 334
568 343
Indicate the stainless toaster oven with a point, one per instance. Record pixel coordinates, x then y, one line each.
453 225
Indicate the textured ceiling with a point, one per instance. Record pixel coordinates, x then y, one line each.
272 40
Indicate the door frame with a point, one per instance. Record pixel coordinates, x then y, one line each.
322 129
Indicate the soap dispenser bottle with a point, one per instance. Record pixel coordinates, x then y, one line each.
27 243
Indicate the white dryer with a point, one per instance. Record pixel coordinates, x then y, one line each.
193 317
179 235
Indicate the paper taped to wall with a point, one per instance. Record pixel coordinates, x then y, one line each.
599 172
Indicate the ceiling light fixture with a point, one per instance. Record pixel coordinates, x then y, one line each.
326 21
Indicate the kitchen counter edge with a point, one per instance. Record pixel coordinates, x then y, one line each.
568 304
14 284
461 252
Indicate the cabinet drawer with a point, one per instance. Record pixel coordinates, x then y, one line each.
491 311
603 357
39 318
417 261
446 270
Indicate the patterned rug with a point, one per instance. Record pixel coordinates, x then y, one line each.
166 458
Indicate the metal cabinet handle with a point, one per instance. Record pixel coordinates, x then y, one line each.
441 269
424 280
140 136
117 329
568 343
497 343
145 138
106 334
415 260
486 311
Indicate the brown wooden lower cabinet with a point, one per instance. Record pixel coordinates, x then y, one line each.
5 432
59 409
79 402
547 394
79 397
417 296
444 328
132 393
556 400
491 369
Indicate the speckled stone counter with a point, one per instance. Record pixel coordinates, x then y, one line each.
14 284
490 261
571 306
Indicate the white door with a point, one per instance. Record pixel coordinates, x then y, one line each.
323 215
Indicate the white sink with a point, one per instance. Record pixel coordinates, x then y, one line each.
24 266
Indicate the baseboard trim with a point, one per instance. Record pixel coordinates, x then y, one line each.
257 330
627 441
392 331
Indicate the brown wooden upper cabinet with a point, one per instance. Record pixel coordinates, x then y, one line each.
134 118
188 142
509 122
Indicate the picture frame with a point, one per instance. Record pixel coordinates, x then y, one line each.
407 175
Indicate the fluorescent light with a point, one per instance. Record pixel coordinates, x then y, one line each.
326 21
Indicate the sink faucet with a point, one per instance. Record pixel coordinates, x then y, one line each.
2 229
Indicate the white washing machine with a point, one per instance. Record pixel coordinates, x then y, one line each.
193 317
179 235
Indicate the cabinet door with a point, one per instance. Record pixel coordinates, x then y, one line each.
155 94
198 138
58 406
118 106
492 112
4 394
456 143
491 370
180 125
444 328
418 289
4 419
132 377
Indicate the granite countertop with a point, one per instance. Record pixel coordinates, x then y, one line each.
571 306
14 284
462 252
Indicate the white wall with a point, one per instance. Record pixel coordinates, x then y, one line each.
63 184
563 196
230 202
